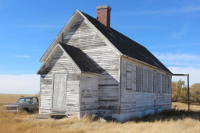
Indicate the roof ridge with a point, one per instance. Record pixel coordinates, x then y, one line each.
113 29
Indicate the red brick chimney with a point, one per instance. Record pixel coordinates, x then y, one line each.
103 15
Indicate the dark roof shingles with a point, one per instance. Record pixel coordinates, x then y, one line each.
127 46
80 58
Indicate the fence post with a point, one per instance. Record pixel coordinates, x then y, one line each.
188 92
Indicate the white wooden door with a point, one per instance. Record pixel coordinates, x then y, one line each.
59 93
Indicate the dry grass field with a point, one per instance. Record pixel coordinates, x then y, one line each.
175 121
182 106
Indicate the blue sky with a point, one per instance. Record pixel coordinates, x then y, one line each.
169 29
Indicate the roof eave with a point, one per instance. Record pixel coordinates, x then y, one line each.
59 36
90 73
68 56
146 64
46 61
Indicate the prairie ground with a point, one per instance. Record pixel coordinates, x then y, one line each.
178 120
182 106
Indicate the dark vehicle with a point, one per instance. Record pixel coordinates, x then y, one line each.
28 104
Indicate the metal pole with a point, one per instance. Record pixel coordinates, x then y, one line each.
188 92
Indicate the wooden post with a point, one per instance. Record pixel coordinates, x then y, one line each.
188 92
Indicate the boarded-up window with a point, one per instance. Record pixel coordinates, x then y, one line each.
150 81
145 80
129 78
139 78
166 84
159 83
155 81
134 78
163 84
169 85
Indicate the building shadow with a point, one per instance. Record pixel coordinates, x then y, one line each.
168 115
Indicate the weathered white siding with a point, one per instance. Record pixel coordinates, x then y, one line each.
104 57
73 97
150 91
60 64
89 94
46 91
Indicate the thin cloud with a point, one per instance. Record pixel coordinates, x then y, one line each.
30 26
165 45
40 26
181 63
193 73
191 9
177 57
22 56
12 72
139 27
180 33
188 9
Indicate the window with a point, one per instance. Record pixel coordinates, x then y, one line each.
130 77
27 100
163 84
24 100
155 81
139 78
159 83
169 84
34 100
145 80
150 81
166 84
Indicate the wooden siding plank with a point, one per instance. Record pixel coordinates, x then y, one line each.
89 93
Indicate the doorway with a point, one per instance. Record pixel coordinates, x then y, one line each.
59 93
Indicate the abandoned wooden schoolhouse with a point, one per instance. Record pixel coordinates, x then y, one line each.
90 68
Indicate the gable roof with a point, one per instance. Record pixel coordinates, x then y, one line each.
59 37
127 46
80 59
122 44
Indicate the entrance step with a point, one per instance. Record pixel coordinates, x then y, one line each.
50 116
43 116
